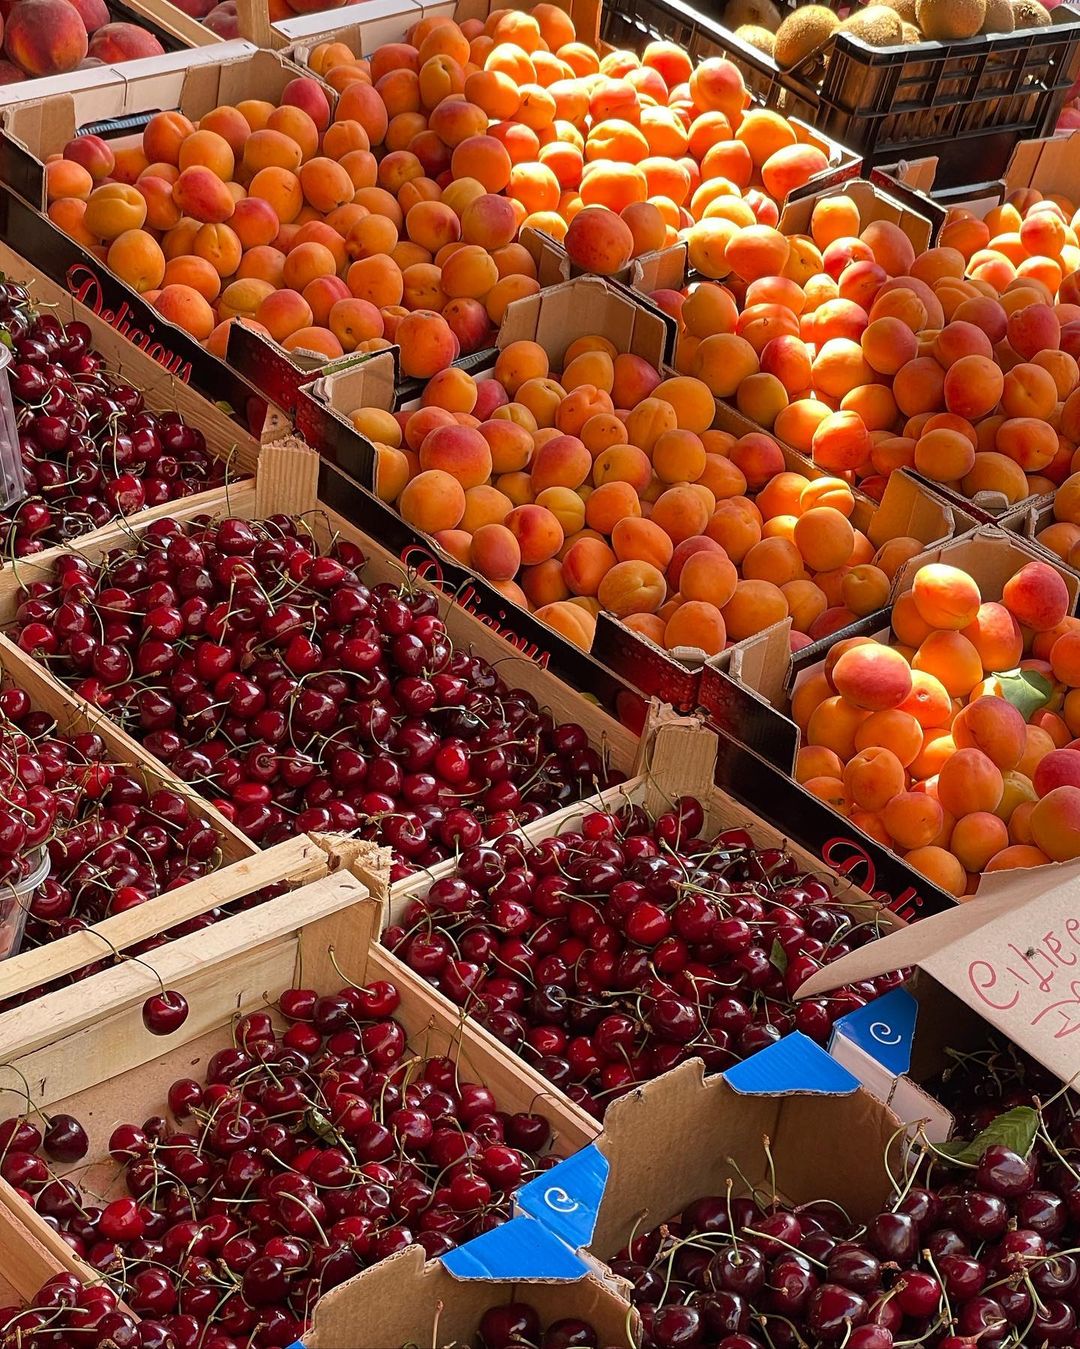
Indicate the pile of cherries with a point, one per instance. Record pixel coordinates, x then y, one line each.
982 1256
265 671
91 450
306 1155
607 954
113 841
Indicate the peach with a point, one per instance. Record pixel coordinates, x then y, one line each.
45 37
117 42
1036 596
1055 824
873 677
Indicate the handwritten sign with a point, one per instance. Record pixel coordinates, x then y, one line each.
85 285
1035 981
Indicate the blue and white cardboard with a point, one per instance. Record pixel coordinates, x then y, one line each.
875 1043
553 1235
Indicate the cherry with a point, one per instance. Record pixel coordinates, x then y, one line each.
164 1013
65 1139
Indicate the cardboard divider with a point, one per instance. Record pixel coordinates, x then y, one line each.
990 556
877 199
682 1137
403 1300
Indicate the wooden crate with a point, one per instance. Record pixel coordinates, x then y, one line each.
678 757
90 1055
287 483
25 1264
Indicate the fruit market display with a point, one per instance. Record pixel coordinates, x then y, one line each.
790 34
960 363
391 214
610 952
316 1145
266 674
91 449
601 486
53 37
298 1073
953 740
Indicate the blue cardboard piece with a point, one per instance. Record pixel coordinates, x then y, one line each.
520 1249
884 1029
566 1199
793 1064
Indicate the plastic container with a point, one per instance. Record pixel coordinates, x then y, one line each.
12 477
969 103
15 901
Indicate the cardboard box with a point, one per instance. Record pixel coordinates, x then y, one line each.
56 259
991 556
402 1301
117 106
790 1120
877 196
1006 962
372 23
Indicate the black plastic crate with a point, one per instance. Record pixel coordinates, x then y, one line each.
968 103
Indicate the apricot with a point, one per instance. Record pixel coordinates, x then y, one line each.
631 588
754 605
945 596
873 677
1055 824
993 726
968 782
952 659
873 777
696 625
432 501
588 561
929 702
186 308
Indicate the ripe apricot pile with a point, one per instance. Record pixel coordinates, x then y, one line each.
603 487
384 205
960 363
921 742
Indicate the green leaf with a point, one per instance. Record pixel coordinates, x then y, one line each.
5 338
778 957
1016 1129
321 1127
1027 690
224 406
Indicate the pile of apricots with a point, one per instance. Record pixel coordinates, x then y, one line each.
920 738
603 487
960 363
381 200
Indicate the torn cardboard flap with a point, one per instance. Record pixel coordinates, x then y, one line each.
369 383
405 1299
1052 165
874 203
683 1136
990 555
1012 955
581 308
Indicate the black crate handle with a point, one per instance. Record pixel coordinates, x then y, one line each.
109 128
